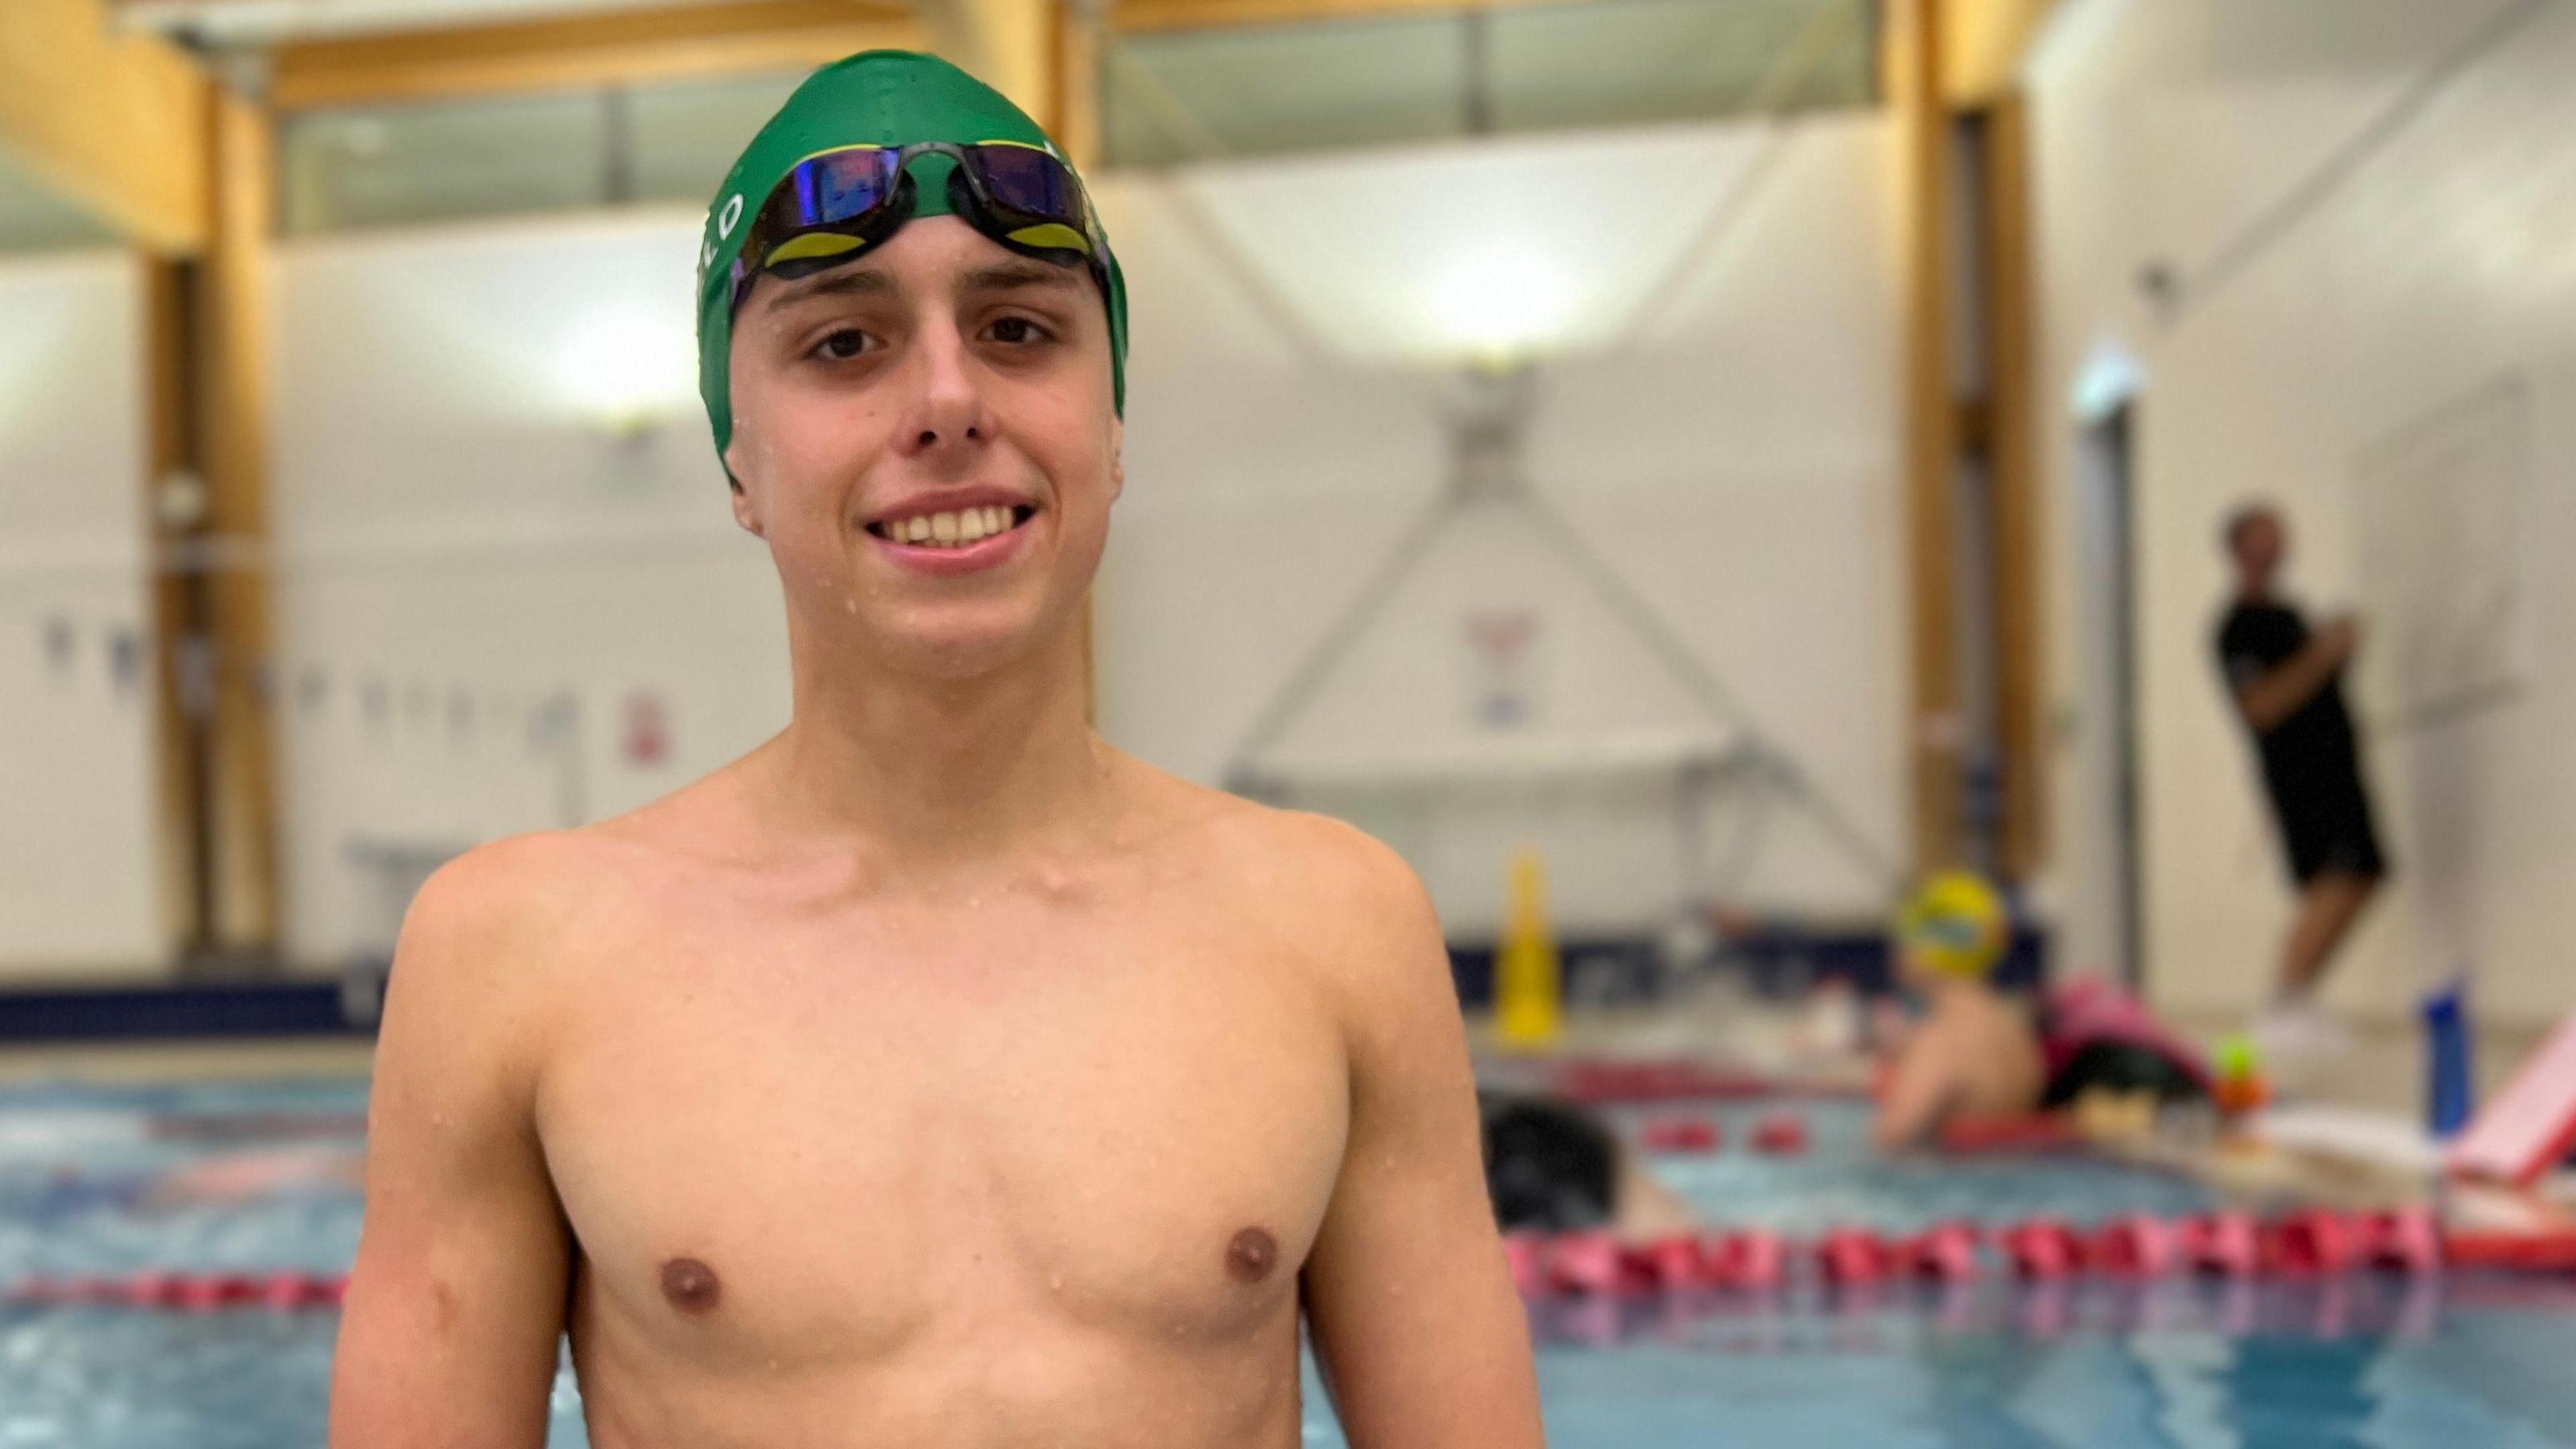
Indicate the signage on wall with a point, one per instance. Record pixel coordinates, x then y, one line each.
1498 648
645 736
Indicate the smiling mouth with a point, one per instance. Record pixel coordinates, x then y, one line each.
954 529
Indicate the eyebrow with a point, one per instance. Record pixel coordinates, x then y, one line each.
855 281
1011 276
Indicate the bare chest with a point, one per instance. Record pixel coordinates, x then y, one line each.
850 1141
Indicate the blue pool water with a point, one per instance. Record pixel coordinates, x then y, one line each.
2367 1361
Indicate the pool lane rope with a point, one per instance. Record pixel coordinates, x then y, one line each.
2314 1243
173 1292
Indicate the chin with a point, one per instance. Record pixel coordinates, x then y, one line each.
962 643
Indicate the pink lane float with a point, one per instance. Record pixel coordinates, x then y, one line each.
184 1292
2309 1244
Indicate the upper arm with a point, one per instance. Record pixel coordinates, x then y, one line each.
457 1301
1918 1091
1416 1322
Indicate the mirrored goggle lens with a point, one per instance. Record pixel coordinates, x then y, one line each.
1039 192
834 189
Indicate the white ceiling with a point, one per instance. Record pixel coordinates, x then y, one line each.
258 23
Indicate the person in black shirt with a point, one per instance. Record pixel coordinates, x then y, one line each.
2287 681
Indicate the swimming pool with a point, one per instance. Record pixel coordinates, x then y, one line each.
2366 1360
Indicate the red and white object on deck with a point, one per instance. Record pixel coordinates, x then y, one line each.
2528 1127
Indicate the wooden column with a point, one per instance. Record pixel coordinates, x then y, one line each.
177 605
1936 722
2012 457
233 360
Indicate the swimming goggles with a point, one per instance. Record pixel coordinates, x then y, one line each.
836 203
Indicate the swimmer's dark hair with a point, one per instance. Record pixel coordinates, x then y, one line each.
2241 518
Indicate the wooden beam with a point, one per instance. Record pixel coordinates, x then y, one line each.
2011 448
1010 45
583 52
1937 727
113 121
233 363
1982 43
1128 17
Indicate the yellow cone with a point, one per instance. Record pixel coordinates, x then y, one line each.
1528 1009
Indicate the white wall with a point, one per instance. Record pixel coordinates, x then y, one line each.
2434 265
79 872
1723 426
465 539
463 544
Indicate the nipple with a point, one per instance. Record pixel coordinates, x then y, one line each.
1251 1255
690 1285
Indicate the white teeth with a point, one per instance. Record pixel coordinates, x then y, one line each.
956 529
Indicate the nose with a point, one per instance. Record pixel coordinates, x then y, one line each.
948 413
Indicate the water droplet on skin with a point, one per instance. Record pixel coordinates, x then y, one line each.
1055 1281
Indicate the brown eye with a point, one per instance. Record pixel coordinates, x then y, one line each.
1017 330
843 345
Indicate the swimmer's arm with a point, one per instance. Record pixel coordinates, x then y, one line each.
457 1300
1919 1093
1416 1324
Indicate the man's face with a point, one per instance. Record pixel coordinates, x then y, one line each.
943 384
2261 543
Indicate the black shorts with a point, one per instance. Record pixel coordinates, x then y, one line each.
1549 1165
2326 828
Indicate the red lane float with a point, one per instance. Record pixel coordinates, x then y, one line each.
2309 1244
2222 1242
1669 1265
2044 1132
1603 1083
1680 1134
1780 1134
1754 1261
2043 1248
2136 1246
1526 1253
1946 1251
1853 1258
1583 1263
184 1292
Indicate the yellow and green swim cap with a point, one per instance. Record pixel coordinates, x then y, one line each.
1956 924
874 98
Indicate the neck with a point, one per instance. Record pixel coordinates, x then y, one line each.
1945 988
936 769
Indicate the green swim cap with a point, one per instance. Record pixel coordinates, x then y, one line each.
874 98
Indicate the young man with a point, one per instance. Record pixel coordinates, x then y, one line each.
1975 1055
2287 683
935 1074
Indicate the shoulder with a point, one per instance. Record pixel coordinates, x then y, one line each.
486 936
1330 893
1325 879
513 888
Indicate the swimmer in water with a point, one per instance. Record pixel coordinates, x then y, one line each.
1982 1054
935 1074
1552 1166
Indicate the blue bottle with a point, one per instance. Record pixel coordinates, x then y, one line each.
2449 1088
